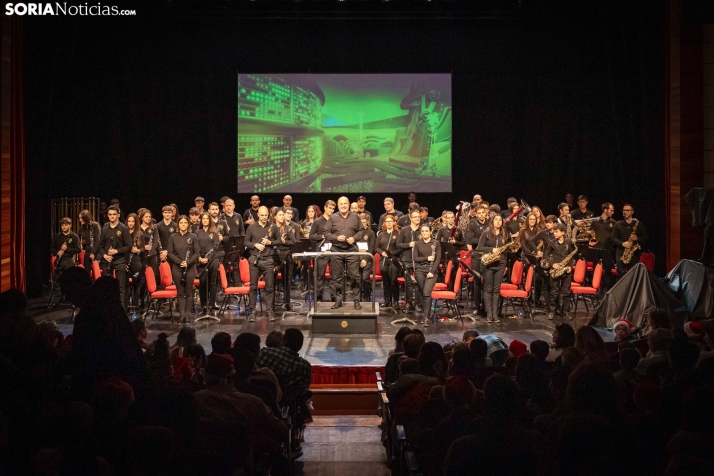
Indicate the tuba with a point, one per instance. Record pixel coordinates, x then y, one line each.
436 225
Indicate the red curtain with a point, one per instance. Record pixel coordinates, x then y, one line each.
345 375
17 159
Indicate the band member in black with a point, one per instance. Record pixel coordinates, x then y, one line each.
603 226
365 264
565 218
317 235
64 247
134 266
493 238
259 239
513 227
405 220
234 220
477 226
408 237
389 210
222 229
427 255
289 223
114 246
287 203
361 203
387 241
343 230
628 234
311 214
444 235
582 213
89 232
557 251
183 255
199 201
209 244
542 278
193 218
250 216
282 256
166 228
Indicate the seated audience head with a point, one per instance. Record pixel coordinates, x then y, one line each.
470 335
479 348
75 284
695 331
592 390
139 326
502 397
221 343
559 383
197 354
659 339
563 336
219 366
274 339
293 339
517 348
432 361
572 357
250 342
459 393
589 342
588 444
408 366
186 337
399 338
629 358
683 356
412 345
540 349
658 319
462 362
243 363
13 303
622 329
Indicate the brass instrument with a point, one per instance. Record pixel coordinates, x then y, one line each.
436 225
630 252
495 255
304 227
464 217
556 273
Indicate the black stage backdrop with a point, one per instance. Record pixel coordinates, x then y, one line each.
144 109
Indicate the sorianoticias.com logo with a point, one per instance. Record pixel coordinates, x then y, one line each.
62 8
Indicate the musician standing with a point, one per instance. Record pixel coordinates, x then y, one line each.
427 255
222 229
557 251
114 244
565 218
317 235
135 268
183 255
287 203
387 241
282 257
343 230
259 239
603 226
492 239
405 220
542 278
408 237
389 209
250 216
193 218
477 226
166 228
365 264
209 242
89 232
64 246
361 203
582 213
627 233
199 201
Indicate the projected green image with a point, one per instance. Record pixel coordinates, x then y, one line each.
342 133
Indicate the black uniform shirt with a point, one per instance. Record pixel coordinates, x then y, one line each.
179 245
488 243
603 231
349 226
151 236
423 250
256 233
396 213
89 236
235 224
117 238
72 241
621 232
250 214
578 215
556 252
406 236
317 229
165 231
207 242
444 233
369 238
387 241
475 231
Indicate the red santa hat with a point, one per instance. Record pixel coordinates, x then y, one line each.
625 323
694 330
517 348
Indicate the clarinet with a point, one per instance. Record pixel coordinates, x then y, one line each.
108 268
58 258
257 257
205 267
185 270
131 255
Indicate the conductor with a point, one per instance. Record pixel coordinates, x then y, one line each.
343 230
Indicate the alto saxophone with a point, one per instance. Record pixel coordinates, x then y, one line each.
556 273
630 252
495 255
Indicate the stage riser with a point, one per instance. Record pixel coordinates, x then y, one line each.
342 325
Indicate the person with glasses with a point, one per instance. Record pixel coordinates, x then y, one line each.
627 233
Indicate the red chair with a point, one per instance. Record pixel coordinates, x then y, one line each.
522 295
240 291
578 274
516 276
447 278
167 281
648 259
450 297
81 259
96 270
244 271
591 291
377 274
155 295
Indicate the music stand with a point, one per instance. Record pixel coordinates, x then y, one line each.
398 263
535 262
300 247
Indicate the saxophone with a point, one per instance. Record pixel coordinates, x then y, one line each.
630 252
556 273
495 255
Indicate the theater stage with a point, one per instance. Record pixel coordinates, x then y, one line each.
341 349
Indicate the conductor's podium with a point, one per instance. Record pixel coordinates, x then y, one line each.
346 320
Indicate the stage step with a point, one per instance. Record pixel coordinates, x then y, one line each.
344 399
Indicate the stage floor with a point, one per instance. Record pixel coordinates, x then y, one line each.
341 349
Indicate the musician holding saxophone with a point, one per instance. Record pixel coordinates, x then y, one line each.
559 255
493 241
183 255
628 235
